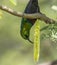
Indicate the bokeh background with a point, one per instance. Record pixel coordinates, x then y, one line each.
14 50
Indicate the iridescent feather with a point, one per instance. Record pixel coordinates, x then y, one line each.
26 24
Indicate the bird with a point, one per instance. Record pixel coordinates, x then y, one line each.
26 24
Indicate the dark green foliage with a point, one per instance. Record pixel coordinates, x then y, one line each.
26 24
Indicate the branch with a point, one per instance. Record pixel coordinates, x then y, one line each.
29 16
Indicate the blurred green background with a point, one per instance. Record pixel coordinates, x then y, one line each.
14 50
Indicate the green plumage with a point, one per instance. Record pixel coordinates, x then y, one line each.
26 24
25 28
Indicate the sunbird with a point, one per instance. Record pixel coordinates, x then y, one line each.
26 24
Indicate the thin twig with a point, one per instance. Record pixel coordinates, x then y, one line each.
29 16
